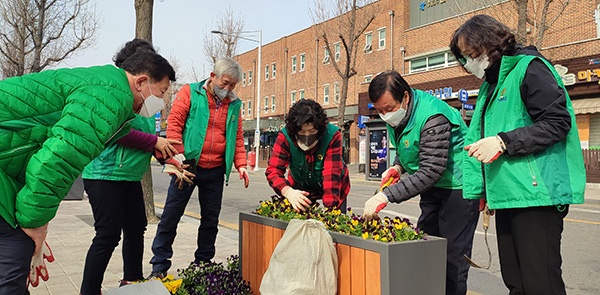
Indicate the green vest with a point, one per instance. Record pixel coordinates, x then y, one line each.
196 125
554 176
425 106
308 178
120 163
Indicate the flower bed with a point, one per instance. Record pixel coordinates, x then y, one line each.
366 263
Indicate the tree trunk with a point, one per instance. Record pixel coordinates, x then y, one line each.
143 19
522 21
143 30
149 196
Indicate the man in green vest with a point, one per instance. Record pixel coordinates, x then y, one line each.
524 156
205 116
312 149
428 136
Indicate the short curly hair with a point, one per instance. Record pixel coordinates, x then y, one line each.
305 111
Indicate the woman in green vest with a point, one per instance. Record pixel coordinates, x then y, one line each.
312 149
524 156
428 136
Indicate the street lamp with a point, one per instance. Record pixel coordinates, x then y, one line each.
258 78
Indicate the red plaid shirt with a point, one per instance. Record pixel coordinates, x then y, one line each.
335 186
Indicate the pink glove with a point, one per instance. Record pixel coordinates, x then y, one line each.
38 266
244 176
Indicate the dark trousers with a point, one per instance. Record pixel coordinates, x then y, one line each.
529 249
16 249
444 213
117 206
210 195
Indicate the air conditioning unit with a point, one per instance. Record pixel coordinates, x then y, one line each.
368 48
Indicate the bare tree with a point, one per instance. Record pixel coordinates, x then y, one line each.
35 34
143 30
534 17
348 20
229 25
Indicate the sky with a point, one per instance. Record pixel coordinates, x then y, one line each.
181 25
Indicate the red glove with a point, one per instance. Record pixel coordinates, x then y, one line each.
38 266
392 172
244 175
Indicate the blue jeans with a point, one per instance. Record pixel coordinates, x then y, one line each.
16 249
210 195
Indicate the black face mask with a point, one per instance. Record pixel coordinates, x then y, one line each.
307 139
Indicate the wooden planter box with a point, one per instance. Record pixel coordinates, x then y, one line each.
365 266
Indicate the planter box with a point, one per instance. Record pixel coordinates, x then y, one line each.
365 266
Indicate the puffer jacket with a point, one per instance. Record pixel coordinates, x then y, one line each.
52 124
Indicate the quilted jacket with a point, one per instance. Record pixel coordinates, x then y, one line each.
52 124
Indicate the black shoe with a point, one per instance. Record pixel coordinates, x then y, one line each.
157 275
125 283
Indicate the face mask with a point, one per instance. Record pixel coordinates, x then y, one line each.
151 105
307 142
477 66
221 92
393 118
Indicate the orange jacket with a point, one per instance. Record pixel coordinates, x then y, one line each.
213 150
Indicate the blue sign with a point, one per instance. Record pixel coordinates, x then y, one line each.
463 95
468 107
362 120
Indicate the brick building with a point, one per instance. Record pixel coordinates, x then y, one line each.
412 36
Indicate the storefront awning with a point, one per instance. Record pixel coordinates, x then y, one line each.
586 106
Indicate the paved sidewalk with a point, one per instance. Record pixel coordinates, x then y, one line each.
70 235
71 232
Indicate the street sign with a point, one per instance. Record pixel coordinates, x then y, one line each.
463 95
468 107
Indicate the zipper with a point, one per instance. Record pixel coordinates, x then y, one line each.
18 150
121 155
118 130
212 135
532 172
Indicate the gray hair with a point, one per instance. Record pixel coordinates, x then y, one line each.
228 66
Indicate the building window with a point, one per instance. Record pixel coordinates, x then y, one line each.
249 107
302 62
273 71
244 79
293 97
336 92
266 103
301 94
243 109
368 42
249 77
337 48
432 62
272 103
326 55
381 38
266 72
293 64
326 94
367 78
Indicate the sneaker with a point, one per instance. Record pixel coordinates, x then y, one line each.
157 275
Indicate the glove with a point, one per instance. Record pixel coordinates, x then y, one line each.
177 168
297 198
392 172
375 204
244 175
38 266
486 150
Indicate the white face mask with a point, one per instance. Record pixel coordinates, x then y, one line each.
477 66
151 105
221 92
393 118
